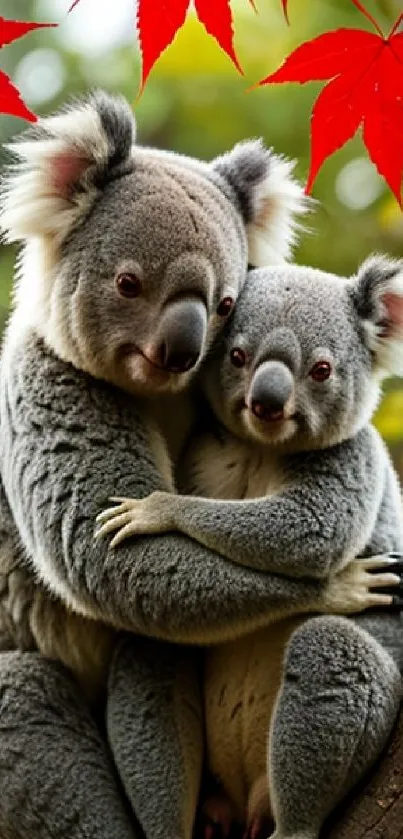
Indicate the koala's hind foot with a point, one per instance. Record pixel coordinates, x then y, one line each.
217 817
258 828
340 696
136 516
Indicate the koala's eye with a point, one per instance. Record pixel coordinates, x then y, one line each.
128 285
320 371
225 306
238 357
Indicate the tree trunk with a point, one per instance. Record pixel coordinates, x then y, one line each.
375 811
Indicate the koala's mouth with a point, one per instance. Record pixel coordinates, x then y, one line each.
275 419
176 370
128 350
145 375
268 418
275 428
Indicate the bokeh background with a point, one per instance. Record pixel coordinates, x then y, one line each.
196 102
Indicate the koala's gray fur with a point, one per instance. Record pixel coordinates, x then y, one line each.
80 369
322 491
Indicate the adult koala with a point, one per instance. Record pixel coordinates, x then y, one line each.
132 259
289 475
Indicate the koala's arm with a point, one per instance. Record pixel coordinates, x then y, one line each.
67 443
321 521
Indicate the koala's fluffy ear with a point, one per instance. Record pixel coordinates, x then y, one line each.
378 297
269 198
62 162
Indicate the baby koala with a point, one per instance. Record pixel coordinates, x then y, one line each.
296 712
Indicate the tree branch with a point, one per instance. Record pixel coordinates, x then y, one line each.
375 811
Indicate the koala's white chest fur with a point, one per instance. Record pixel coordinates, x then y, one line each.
242 677
226 468
242 680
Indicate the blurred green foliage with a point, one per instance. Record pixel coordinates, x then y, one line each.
196 102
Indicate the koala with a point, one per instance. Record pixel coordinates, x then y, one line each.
132 260
290 477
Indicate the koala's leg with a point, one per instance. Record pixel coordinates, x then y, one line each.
155 730
338 702
56 778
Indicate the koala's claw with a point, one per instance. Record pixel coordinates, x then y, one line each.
114 518
397 601
131 517
394 563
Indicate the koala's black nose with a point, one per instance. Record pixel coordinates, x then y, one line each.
178 362
182 333
272 386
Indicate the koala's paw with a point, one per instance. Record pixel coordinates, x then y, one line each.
259 827
217 818
134 517
366 583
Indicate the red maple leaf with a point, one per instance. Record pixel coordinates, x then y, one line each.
158 23
10 99
217 21
11 102
365 90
